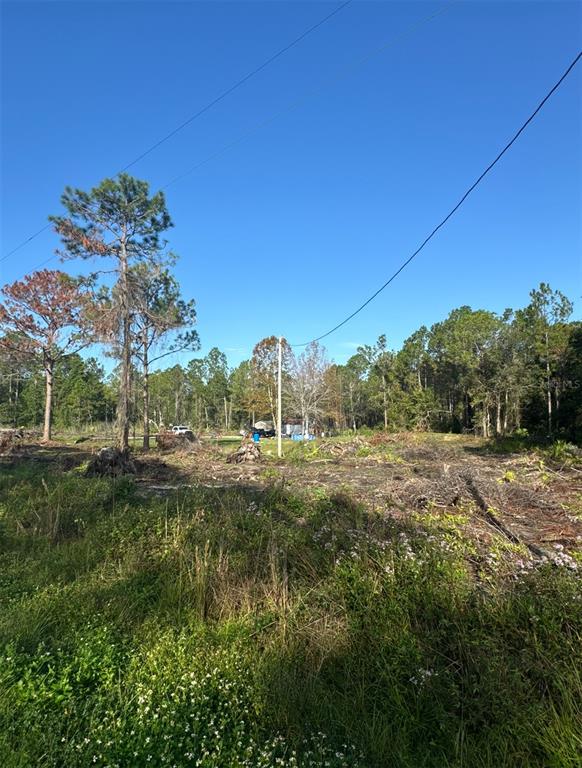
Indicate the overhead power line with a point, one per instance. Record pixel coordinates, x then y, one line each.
205 108
317 90
452 211
305 97
234 87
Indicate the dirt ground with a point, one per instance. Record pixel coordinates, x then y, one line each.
524 498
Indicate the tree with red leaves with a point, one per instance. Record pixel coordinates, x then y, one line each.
41 317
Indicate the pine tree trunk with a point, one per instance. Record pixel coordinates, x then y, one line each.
146 398
498 415
48 403
16 400
125 377
548 386
549 398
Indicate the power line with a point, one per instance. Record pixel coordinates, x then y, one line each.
25 242
452 211
232 88
346 71
206 108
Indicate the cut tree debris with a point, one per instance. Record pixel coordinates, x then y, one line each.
340 449
111 462
247 452
184 441
9 438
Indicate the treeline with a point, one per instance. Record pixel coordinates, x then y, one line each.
473 372
83 397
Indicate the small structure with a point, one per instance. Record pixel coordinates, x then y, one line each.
264 424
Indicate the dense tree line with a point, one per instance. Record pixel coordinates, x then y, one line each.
474 371
83 398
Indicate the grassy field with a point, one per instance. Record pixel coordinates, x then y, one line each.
227 627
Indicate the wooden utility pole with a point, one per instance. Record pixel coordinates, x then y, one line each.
279 416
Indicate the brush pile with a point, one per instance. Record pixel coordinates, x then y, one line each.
246 453
342 449
183 442
111 462
9 439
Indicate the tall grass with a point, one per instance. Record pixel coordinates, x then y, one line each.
221 628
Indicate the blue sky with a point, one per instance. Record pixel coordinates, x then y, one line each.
292 228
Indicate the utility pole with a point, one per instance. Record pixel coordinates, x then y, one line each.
279 416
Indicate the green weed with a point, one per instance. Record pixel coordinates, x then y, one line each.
222 628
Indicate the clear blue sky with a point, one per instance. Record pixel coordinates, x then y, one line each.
292 228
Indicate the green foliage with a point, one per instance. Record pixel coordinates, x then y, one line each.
223 628
562 451
81 398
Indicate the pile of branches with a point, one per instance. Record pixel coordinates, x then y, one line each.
9 439
184 442
247 452
382 438
111 462
447 489
342 449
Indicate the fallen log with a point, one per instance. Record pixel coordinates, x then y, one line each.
496 522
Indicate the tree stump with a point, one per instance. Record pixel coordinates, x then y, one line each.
110 462
246 453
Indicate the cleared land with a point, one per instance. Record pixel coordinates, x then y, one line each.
407 600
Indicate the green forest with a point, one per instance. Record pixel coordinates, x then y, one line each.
474 372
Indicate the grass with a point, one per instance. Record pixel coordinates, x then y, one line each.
222 629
